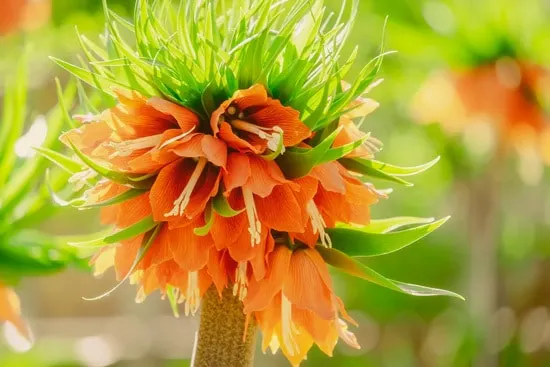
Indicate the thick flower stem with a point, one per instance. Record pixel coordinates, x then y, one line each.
220 341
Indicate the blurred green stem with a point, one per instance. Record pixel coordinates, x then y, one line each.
483 213
221 339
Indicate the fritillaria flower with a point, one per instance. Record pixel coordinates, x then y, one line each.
233 162
507 95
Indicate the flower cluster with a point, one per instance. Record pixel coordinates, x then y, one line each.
232 159
263 243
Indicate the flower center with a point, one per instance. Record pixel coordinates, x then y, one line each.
183 200
254 224
287 327
272 135
241 282
318 223
192 294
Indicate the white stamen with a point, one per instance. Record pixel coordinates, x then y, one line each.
254 225
271 135
127 147
183 200
87 118
231 110
373 145
318 224
80 179
381 193
192 294
176 138
347 336
274 344
287 329
240 287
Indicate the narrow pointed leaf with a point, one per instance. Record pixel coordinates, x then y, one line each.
391 224
368 168
134 230
298 162
403 171
353 267
357 242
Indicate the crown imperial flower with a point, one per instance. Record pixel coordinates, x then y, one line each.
250 176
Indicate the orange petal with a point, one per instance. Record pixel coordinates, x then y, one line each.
125 255
133 210
214 150
278 210
265 175
206 188
217 267
232 140
273 113
258 262
329 176
88 136
225 231
159 252
190 251
323 332
305 288
261 293
251 97
133 118
186 118
238 171
168 186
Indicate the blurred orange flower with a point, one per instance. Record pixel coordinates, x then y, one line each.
10 310
23 15
507 94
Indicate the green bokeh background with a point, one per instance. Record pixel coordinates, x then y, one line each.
395 329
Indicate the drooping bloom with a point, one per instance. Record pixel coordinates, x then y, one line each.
232 159
10 310
507 95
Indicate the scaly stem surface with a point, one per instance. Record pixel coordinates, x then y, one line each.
221 340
